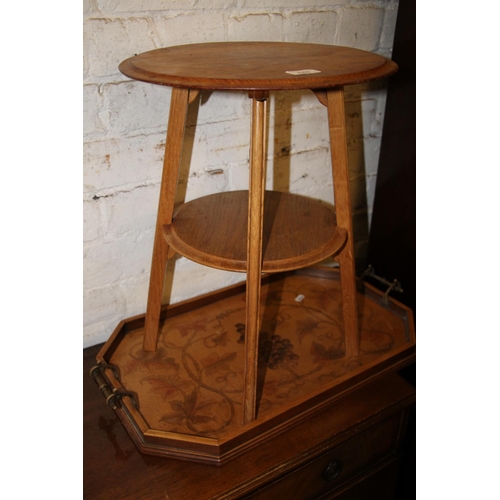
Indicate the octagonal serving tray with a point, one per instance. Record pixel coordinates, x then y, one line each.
185 399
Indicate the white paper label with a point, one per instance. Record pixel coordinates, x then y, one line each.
300 298
303 72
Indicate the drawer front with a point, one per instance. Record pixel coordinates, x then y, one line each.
379 484
333 468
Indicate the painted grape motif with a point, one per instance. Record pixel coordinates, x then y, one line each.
273 349
277 351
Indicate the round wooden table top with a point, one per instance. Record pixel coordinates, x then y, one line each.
257 66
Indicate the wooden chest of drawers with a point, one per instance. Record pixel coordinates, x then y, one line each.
349 451
349 461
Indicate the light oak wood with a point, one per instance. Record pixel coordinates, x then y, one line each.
257 65
341 188
298 231
171 163
321 96
254 251
193 94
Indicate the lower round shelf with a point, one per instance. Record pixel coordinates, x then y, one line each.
212 230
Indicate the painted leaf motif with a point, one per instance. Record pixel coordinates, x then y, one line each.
172 418
142 361
132 366
178 406
206 404
185 407
190 402
155 365
185 410
322 354
198 325
163 388
306 327
201 419
376 342
171 363
218 339
214 364
167 386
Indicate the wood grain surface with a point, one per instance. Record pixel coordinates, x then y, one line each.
171 163
257 65
257 186
342 194
298 231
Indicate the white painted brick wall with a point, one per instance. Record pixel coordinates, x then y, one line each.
125 123
361 27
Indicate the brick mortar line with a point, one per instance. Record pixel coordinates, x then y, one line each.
100 14
118 138
118 237
231 12
113 284
235 13
111 192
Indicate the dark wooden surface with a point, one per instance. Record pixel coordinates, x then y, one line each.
256 65
366 421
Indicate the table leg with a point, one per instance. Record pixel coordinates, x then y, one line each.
171 163
254 249
340 168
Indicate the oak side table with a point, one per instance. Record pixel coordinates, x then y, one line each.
207 379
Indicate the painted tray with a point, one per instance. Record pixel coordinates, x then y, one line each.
185 399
